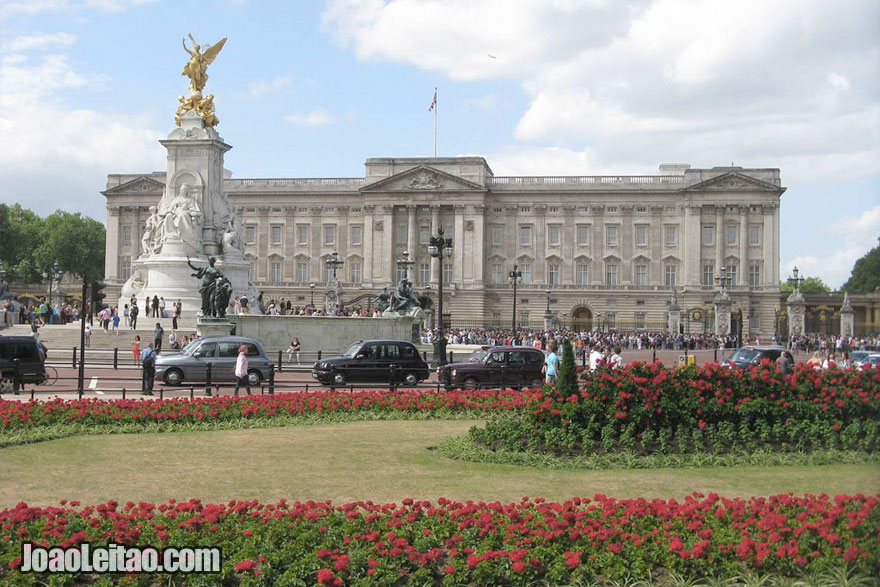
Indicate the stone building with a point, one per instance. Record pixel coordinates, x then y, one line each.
609 249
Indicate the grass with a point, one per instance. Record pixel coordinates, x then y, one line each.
380 461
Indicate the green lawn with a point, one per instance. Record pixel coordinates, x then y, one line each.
380 461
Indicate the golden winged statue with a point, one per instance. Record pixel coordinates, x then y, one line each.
199 60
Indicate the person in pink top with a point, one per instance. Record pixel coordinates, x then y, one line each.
241 370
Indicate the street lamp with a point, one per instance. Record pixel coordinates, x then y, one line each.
334 263
53 274
440 247
795 280
514 277
601 325
312 287
405 263
725 278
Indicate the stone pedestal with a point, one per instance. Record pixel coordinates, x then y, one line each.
796 314
847 317
206 327
723 306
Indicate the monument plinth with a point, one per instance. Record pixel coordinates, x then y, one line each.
193 218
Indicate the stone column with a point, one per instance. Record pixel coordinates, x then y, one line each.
771 268
435 224
847 323
478 253
369 278
720 239
457 247
111 263
387 269
411 230
743 246
539 268
692 240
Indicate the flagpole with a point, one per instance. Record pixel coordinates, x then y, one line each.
436 107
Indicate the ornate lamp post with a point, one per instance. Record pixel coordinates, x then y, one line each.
795 280
334 263
514 277
600 315
53 274
723 280
312 287
548 315
440 247
797 307
723 303
405 264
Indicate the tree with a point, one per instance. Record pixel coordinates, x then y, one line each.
865 275
810 285
566 379
29 244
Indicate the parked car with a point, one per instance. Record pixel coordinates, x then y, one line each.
372 361
872 360
191 364
856 357
30 364
753 355
502 366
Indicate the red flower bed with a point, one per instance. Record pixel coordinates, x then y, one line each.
420 542
23 415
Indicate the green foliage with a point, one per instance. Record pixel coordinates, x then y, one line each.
566 381
865 276
810 285
30 244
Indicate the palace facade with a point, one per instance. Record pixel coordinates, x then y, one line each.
608 249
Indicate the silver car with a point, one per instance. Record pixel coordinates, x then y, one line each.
221 352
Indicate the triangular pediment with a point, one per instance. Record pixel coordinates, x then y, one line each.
139 185
734 181
423 179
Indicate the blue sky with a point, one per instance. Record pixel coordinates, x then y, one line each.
538 87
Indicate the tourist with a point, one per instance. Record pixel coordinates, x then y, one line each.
148 361
87 330
158 333
241 371
595 357
172 340
125 315
785 362
162 308
134 315
243 305
294 349
136 350
551 364
616 360
116 321
155 306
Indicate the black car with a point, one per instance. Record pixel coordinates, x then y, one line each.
753 355
30 364
373 361
501 366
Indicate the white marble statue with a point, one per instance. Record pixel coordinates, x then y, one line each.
134 285
182 219
150 239
232 236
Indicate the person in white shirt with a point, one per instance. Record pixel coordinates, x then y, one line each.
595 357
241 370
616 360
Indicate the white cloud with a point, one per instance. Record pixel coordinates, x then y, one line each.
788 83
30 7
259 88
488 103
31 42
852 237
319 117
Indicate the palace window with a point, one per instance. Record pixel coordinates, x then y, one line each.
329 235
355 271
302 271
553 274
302 235
250 235
525 236
126 267
754 235
670 275
671 236
526 271
640 320
356 235
731 231
582 274
583 235
611 236
708 236
641 275
709 274
424 272
496 275
553 237
424 234
401 234
497 236
126 234
275 274
732 272
641 235
611 274
276 235
755 274
447 272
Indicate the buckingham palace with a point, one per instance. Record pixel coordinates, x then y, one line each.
604 252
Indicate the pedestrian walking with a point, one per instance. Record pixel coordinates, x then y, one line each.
241 370
551 364
148 362
157 334
116 321
87 329
134 316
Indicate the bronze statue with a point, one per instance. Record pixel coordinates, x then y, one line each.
222 295
383 300
199 60
209 275
403 301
